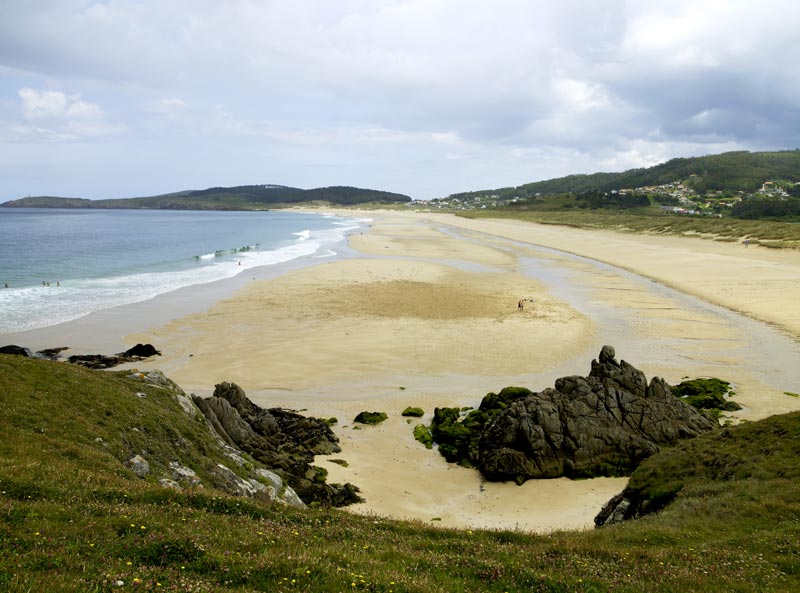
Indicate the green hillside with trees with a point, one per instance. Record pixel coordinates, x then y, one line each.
734 196
729 171
243 197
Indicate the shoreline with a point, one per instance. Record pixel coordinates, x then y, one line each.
104 330
421 310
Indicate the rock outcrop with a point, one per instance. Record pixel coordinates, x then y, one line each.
15 350
620 508
271 487
52 353
138 465
102 361
604 424
281 439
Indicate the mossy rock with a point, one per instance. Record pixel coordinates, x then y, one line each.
457 433
330 421
370 417
706 394
455 439
317 474
507 395
423 434
415 412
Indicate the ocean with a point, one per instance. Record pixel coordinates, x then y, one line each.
62 264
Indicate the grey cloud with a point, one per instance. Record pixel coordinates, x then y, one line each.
595 84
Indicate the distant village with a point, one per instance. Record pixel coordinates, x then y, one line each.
677 197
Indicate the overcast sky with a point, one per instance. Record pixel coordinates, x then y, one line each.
124 98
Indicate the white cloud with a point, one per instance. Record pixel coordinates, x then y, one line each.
42 104
83 110
53 116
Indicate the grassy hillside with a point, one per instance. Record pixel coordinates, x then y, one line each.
73 519
768 233
733 171
49 202
244 197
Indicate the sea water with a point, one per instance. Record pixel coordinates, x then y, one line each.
62 264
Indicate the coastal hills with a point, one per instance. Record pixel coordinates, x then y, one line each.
243 197
78 513
730 171
727 173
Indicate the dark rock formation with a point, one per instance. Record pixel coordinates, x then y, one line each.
94 361
102 361
16 351
458 438
278 438
626 506
52 353
604 424
49 353
141 351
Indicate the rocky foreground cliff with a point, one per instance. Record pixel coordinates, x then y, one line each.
266 454
281 439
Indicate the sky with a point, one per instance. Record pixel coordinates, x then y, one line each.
123 98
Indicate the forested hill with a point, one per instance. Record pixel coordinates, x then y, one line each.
733 171
243 197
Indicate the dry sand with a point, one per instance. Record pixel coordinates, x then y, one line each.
757 281
427 316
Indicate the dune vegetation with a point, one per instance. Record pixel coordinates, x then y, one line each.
767 233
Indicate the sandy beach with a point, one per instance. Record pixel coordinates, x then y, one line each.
423 312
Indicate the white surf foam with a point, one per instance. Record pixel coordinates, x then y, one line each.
40 306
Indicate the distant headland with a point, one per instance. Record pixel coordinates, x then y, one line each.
242 197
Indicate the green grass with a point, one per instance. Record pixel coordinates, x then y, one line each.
760 232
72 519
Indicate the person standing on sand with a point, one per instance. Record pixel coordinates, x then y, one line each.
521 305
